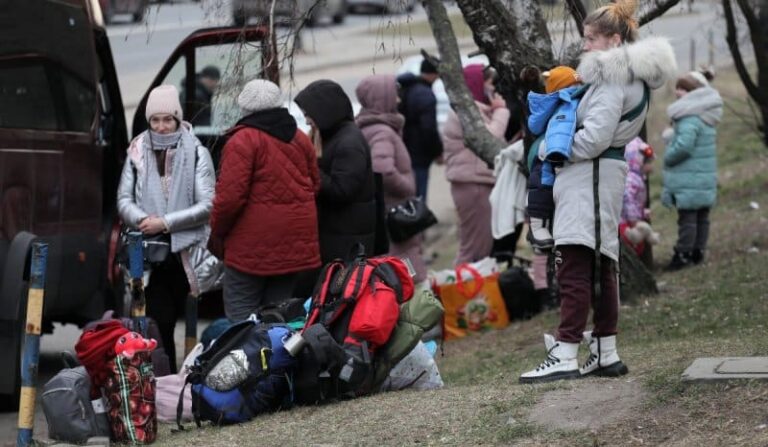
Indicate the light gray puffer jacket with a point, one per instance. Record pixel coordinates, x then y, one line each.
203 270
616 77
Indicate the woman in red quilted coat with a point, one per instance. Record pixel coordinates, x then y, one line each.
264 212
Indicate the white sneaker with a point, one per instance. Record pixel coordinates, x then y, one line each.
561 363
539 235
603 359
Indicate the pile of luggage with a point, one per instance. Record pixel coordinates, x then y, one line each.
362 334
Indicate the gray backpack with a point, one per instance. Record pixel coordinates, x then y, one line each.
71 414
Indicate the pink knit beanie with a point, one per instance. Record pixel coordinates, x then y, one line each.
164 99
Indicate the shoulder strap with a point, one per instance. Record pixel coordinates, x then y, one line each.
640 108
533 151
581 91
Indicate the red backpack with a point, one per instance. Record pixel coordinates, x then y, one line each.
354 310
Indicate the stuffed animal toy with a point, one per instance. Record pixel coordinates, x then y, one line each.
132 342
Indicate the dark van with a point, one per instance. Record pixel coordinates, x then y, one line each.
63 138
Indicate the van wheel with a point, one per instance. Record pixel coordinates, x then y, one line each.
338 19
10 401
13 302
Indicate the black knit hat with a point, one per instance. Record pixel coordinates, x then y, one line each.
428 67
211 71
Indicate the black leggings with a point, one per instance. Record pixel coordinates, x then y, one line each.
166 298
692 230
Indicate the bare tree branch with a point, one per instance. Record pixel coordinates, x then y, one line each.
755 34
738 60
578 12
659 8
477 138
749 14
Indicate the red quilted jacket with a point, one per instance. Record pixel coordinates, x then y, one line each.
264 209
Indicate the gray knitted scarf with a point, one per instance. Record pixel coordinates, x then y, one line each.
176 190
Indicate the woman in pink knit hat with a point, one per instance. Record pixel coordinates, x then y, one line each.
166 188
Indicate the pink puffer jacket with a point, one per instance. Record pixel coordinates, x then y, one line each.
461 164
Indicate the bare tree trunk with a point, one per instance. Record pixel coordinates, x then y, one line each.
511 41
635 279
659 8
578 12
757 29
478 139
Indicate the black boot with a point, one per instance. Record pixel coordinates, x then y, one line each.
680 260
697 256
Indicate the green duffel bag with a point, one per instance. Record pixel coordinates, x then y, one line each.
417 315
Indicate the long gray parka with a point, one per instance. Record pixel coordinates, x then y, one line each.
616 78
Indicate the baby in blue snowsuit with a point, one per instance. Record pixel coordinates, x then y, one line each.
553 120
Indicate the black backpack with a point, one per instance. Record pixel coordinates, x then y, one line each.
266 388
518 292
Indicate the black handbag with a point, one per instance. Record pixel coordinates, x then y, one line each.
409 219
156 248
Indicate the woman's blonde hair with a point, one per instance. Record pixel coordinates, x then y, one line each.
615 18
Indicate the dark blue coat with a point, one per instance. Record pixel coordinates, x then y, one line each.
419 106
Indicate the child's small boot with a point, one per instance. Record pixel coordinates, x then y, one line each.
680 260
539 235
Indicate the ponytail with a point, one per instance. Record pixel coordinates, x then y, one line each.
615 18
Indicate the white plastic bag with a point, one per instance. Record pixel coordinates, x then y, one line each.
485 267
417 370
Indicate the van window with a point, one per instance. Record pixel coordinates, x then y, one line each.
235 64
41 96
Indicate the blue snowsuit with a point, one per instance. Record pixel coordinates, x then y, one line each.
553 117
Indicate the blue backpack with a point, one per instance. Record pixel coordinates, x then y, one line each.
268 383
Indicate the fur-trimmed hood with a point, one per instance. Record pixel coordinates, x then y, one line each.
651 60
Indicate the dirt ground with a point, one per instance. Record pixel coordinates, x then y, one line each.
588 405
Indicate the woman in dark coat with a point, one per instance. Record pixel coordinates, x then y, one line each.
346 202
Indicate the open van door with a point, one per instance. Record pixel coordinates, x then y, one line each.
236 55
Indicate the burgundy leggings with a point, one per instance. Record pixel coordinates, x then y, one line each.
575 264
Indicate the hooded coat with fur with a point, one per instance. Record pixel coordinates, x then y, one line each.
690 159
616 77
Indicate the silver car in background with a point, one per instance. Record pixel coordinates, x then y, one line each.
308 11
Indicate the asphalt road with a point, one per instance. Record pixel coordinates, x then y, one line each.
140 50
